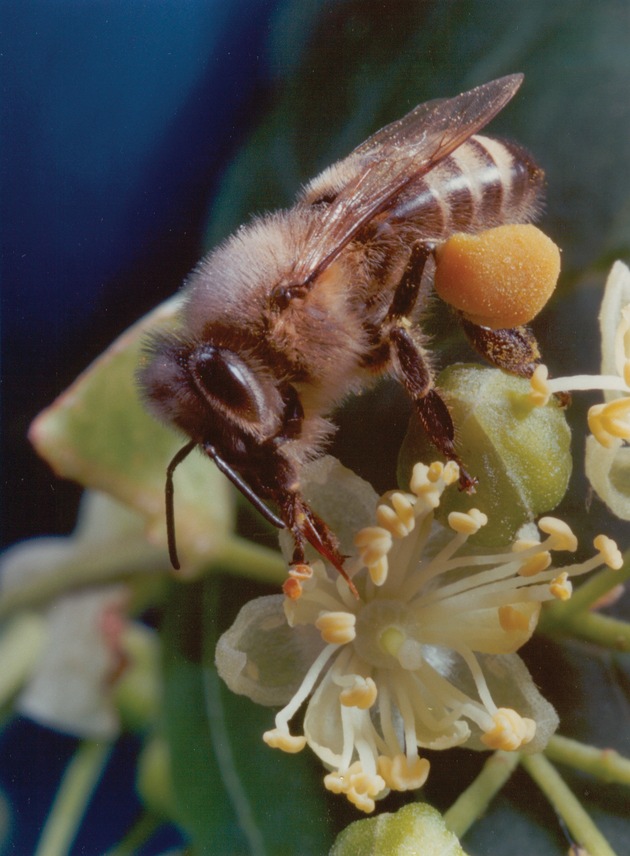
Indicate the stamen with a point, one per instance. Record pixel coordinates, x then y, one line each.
399 520
511 618
278 738
467 523
536 565
337 628
301 571
609 422
609 552
403 774
292 589
310 678
359 787
361 694
373 542
562 536
378 571
539 393
510 731
427 483
561 587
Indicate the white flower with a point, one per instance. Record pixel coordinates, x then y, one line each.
607 452
424 658
70 684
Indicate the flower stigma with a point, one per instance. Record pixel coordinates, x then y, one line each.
425 658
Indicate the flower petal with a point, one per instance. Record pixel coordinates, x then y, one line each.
70 687
322 722
261 657
616 296
608 471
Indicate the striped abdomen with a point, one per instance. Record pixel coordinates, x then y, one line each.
483 183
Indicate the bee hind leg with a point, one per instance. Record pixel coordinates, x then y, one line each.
414 373
514 350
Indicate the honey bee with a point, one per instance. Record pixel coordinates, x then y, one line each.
304 306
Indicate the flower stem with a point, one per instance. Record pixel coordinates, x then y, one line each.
606 764
590 626
20 645
72 797
138 835
472 803
566 805
136 558
118 562
243 557
595 588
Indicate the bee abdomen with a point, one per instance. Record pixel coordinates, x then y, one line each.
483 183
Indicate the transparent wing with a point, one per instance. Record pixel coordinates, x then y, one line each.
389 160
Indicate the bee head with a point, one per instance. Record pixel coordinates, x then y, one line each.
213 394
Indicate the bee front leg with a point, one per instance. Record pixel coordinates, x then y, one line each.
415 375
306 526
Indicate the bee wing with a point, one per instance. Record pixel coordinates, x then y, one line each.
392 158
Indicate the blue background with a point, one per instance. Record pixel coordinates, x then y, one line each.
117 118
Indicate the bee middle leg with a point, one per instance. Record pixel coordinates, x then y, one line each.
412 368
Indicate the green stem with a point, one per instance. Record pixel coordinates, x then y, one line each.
243 557
72 798
606 764
596 587
96 567
566 805
125 561
473 802
20 646
137 836
590 626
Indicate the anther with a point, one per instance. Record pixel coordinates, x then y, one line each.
337 628
561 587
402 774
278 738
362 694
610 553
563 537
467 523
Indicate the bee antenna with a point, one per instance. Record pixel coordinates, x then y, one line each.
244 488
169 495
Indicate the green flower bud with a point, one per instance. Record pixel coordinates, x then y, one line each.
415 830
137 690
153 782
519 453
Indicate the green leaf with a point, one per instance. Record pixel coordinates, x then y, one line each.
99 433
234 794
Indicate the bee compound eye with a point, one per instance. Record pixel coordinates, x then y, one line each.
226 381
